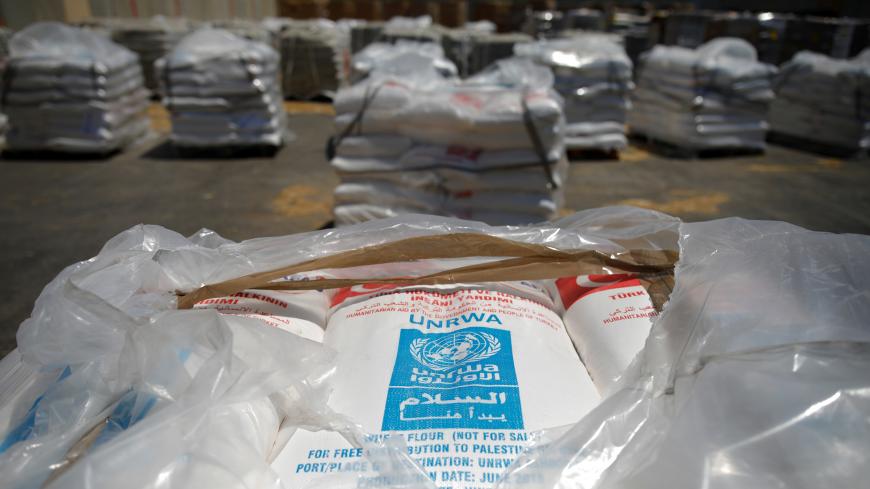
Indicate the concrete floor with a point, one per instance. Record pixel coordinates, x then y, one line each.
54 213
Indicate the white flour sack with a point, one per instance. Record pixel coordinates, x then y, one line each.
608 317
464 374
299 312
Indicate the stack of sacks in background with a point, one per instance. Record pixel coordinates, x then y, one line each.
475 46
311 58
488 148
419 29
151 39
222 90
384 57
72 90
824 100
712 97
5 34
593 75
249 29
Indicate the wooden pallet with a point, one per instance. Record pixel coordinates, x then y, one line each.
231 151
589 154
670 150
816 147
52 155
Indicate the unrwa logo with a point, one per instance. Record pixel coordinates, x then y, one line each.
454 349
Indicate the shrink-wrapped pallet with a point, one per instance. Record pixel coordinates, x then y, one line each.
72 90
222 90
712 97
487 148
593 74
823 100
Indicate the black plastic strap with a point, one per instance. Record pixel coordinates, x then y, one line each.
532 129
8 75
333 142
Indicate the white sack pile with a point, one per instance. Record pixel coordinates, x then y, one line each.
440 356
222 90
488 148
715 96
72 90
151 39
384 57
824 100
311 58
593 75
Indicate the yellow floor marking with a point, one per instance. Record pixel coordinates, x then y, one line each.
821 164
633 154
159 117
830 163
684 201
295 107
302 200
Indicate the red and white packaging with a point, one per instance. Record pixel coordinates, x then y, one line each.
302 313
608 318
465 374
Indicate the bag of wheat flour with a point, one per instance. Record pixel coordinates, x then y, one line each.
299 312
463 373
608 317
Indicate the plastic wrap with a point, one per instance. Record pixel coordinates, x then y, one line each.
754 374
715 96
312 58
404 58
820 99
222 90
471 137
72 90
593 75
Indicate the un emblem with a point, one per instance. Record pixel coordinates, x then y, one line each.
453 350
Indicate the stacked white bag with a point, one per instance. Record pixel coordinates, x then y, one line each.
824 100
488 148
72 90
150 38
593 75
715 96
223 90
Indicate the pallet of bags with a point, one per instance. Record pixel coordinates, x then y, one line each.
382 57
616 344
488 148
824 100
712 97
222 91
475 47
311 58
151 39
594 77
72 90
249 29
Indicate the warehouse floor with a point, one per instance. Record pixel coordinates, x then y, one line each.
56 212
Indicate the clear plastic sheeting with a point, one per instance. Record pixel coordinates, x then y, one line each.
312 58
715 96
150 38
821 99
755 375
404 58
593 74
107 371
72 90
222 90
487 148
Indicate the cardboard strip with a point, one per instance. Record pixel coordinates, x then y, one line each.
525 262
